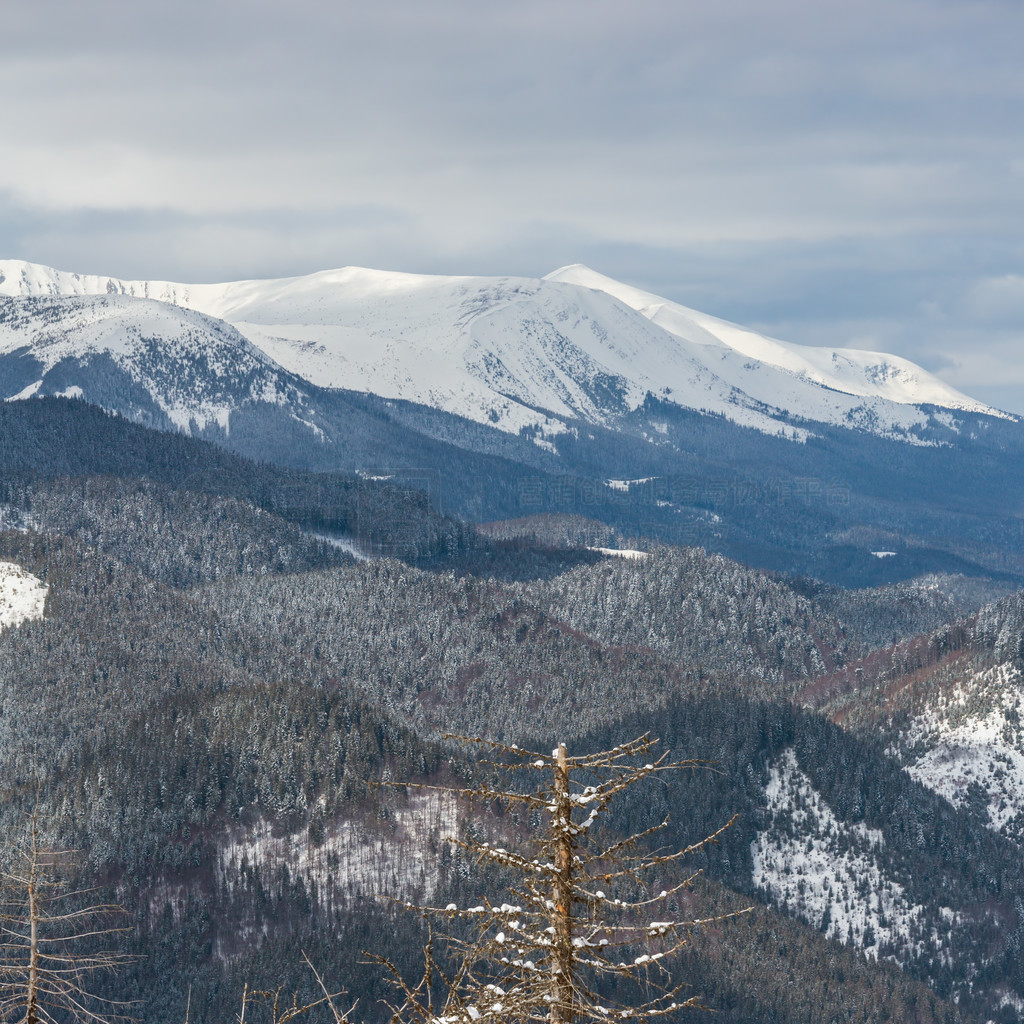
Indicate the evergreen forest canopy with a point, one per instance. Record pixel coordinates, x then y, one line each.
233 653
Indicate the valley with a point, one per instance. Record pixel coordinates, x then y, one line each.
266 546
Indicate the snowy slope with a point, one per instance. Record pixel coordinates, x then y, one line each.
865 374
355 859
194 368
968 744
522 352
831 873
22 595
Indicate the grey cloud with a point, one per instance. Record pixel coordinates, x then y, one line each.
827 172
166 244
997 300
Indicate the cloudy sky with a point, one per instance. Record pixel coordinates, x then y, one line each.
827 172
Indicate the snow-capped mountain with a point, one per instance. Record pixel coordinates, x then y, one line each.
870 375
153 361
530 353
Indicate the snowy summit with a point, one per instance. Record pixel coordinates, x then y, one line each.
509 352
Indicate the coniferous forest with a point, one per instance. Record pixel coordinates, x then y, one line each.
236 660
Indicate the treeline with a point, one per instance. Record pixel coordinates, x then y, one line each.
64 438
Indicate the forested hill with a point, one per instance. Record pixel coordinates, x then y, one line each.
63 438
824 507
222 658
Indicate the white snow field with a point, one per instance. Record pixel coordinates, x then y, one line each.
809 861
526 352
972 738
22 595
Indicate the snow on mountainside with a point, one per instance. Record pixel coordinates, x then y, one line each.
22 595
354 859
854 372
522 352
821 868
196 370
968 744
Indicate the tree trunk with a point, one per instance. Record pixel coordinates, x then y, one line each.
32 993
562 954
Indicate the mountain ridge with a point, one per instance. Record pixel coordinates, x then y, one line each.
525 396
538 353
196 370
899 377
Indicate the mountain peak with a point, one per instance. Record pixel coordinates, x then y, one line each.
537 354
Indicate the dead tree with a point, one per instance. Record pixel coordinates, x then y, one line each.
580 915
280 1011
49 939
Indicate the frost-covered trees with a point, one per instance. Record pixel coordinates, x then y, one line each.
587 931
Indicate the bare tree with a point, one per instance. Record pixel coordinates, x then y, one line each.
48 940
280 1011
581 937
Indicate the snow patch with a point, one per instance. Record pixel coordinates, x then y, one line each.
631 553
624 485
22 595
970 742
26 392
345 544
1013 1001
397 858
830 873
